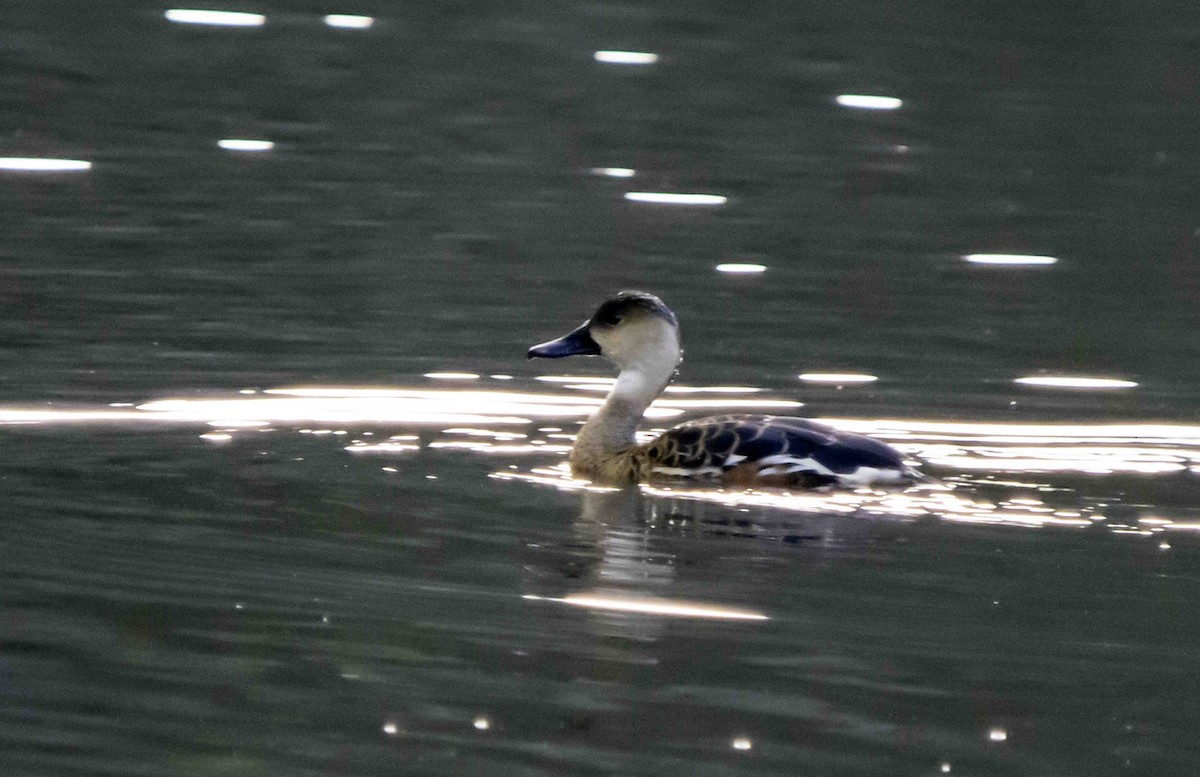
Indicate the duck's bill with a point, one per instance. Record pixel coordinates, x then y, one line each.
576 343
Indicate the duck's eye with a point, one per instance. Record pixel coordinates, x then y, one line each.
610 319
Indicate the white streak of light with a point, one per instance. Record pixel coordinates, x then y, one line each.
626 57
869 102
575 379
672 198
349 21
221 18
1010 259
650 606
837 377
741 268
614 172
712 390
1066 381
39 165
452 375
245 144
727 403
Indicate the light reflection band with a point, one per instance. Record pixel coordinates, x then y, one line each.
1012 260
217 18
349 21
615 172
245 144
837 377
1066 381
626 57
869 102
42 165
671 198
651 606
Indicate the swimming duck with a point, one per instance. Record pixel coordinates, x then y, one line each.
639 334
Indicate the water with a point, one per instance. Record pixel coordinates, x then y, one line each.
207 571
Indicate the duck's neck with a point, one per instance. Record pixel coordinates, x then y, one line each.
612 428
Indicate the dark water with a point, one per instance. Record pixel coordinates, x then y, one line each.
199 581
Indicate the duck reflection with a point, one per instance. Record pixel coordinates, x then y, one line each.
623 567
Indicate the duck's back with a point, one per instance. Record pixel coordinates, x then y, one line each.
772 450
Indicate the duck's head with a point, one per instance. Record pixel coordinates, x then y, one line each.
632 329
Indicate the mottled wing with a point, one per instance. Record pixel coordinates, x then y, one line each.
702 447
769 447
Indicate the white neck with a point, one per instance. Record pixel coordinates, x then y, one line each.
612 428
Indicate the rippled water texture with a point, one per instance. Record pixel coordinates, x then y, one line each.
279 493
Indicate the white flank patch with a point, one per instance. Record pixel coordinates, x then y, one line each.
787 465
864 476
785 458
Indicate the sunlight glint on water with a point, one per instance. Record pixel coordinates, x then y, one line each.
626 57
964 447
1069 382
245 144
216 18
837 377
326 579
869 102
349 21
1012 260
673 198
42 165
614 172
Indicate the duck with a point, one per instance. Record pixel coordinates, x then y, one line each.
639 335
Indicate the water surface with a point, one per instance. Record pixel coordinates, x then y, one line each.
251 525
